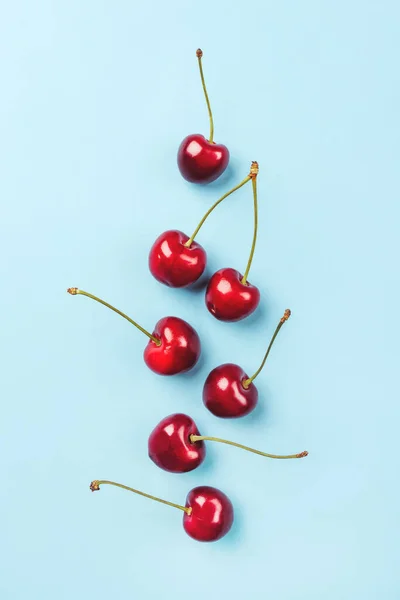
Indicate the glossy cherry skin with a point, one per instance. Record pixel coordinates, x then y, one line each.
228 299
170 447
200 161
173 263
224 394
212 514
179 350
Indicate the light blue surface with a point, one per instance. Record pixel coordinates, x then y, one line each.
95 99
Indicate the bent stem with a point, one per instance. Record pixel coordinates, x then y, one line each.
95 487
283 320
199 438
199 54
241 184
253 173
75 291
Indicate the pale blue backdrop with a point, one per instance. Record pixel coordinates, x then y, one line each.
95 99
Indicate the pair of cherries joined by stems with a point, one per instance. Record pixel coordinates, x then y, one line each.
177 260
175 444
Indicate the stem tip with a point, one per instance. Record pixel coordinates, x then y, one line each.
254 169
95 486
72 291
302 454
199 52
286 315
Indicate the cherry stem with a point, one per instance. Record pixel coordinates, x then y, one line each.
199 438
75 291
246 383
199 54
95 487
253 173
196 231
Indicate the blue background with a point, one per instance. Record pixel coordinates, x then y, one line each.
95 99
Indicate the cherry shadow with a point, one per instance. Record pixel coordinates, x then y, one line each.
227 178
257 319
206 470
205 191
259 416
255 322
199 285
195 370
196 287
235 536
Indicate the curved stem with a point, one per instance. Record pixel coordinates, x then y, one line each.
196 231
76 291
199 438
95 486
285 317
199 54
253 245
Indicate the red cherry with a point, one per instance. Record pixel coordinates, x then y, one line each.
228 391
176 445
173 263
229 295
211 515
178 351
171 448
208 511
201 160
228 299
177 260
225 395
174 345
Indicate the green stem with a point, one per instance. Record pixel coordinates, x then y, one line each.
76 291
199 438
199 54
285 317
196 231
253 245
95 486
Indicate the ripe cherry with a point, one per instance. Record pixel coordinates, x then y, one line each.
175 445
229 295
211 515
201 160
170 445
177 260
174 345
229 392
208 512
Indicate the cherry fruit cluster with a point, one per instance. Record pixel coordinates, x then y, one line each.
173 346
